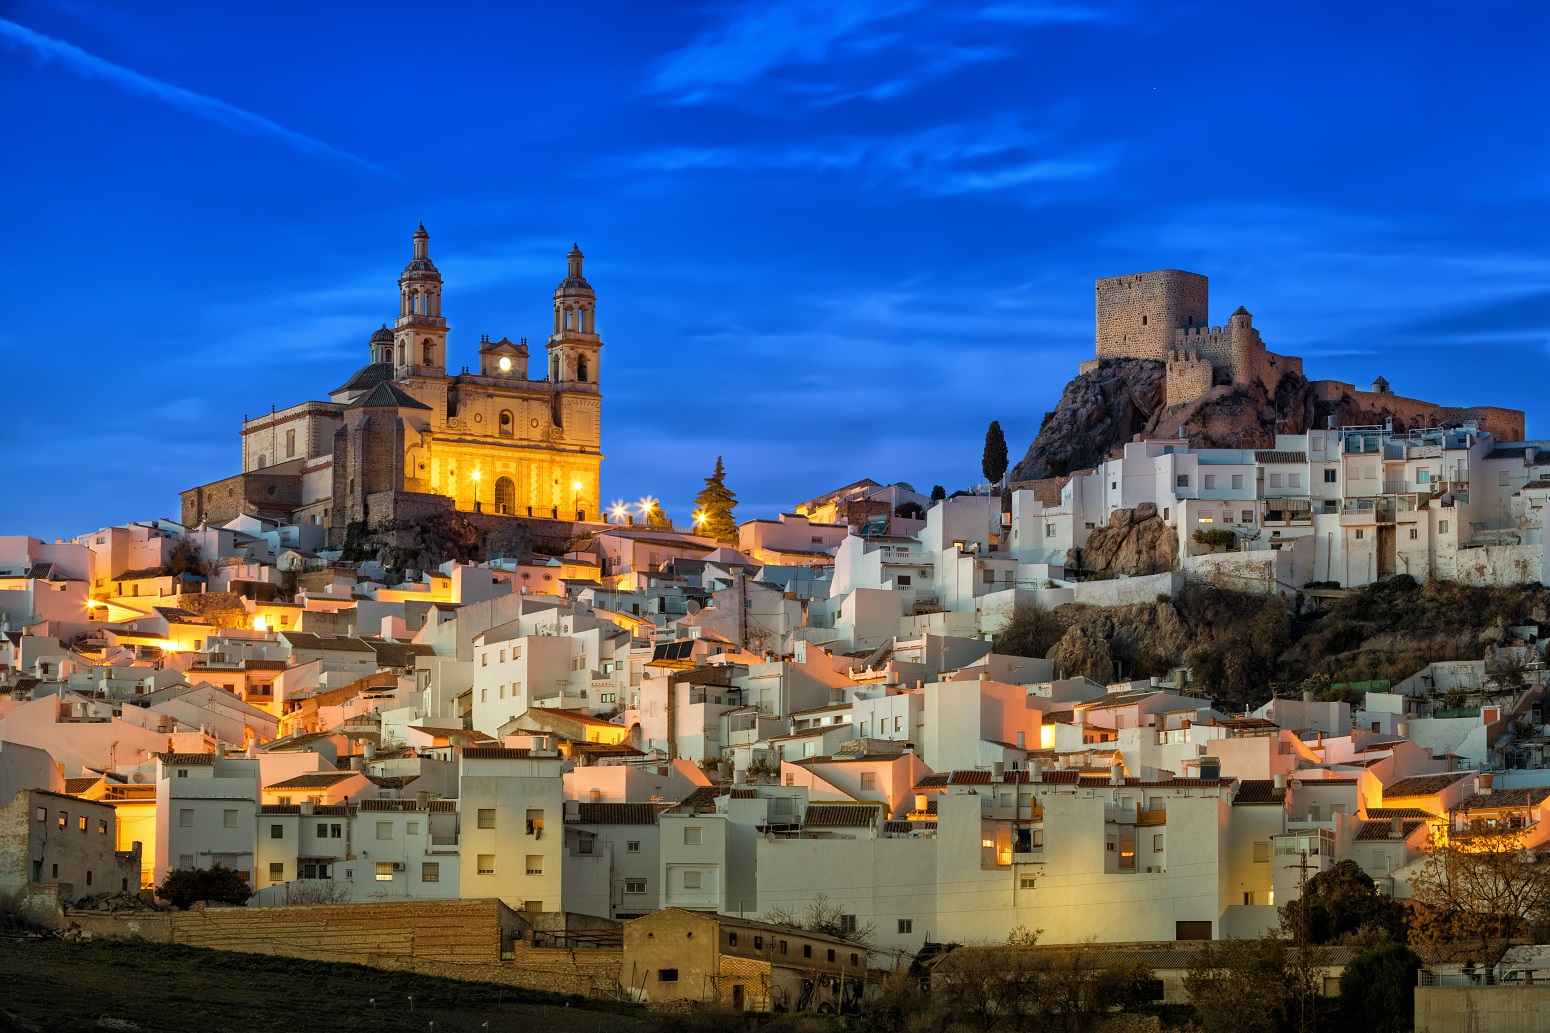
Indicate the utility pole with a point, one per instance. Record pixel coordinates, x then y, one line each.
1306 1023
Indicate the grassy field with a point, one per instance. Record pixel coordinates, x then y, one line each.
58 987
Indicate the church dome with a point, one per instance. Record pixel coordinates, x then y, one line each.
421 265
382 336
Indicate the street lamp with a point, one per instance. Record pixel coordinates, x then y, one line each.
475 476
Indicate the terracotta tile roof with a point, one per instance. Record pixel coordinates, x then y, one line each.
897 827
1259 790
74 786
313 780
1531 796
183 759
1378 813
615 814
579 716
496 753
1087 777
407 805
842 815
1379 830
1423 785
1270 455
703 800
391 781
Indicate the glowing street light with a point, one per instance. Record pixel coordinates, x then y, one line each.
699 517
475 475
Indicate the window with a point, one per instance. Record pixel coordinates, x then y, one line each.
783 946
186 818
855 959
906 925
847 925
1414 534
276 871
694 836
731 939
1210 481
384 871
1248 898
632 847
1294 480
102 827
505 423
487 817
635 885
1049 530
758 943
691 880
229 819
1157 843
484 659
535 864
584 846
290 444
1182 481
430 871
903 580
413 828
807 950
1503 478
989 577
1274 480
1237 480
1358 534
485 864
868 780
335 831
1442 526
1330 476
82 823
184 861
667 975
42 814
1262 851
1248 517
384 830
831 953
535 820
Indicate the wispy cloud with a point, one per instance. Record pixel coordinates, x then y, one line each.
769 35
942 161
71 58
1037 12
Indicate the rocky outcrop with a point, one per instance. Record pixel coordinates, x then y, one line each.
1102 409
1082 654
1134 542
1110 404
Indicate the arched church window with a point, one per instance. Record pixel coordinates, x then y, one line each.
430 353
581 369
505 423
261 462
505 496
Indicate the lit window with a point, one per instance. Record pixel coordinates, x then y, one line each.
384 871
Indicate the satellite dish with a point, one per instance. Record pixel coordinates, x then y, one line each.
692 607
138 776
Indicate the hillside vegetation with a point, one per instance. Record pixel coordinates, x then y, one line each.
1240 646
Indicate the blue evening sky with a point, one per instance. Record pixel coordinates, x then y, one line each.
831 239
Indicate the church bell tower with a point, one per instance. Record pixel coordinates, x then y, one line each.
420 334
574 345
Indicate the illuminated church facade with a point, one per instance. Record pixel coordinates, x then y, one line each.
403 435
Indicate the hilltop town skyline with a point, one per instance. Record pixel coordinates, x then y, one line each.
884 211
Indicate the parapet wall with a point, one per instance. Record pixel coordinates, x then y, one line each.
454 939
1502 424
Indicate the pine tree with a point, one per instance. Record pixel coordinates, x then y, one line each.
714 504
993 465
938 493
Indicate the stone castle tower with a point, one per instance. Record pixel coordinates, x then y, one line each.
1164 316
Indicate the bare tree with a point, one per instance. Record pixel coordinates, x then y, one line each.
1477 888
822 915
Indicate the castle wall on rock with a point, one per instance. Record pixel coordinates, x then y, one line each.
1162 316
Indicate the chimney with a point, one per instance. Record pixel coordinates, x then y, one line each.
1307 695
1396 828
357 763
1487 783
306 807
1079 718
997 771
1022 740
1116 774
596 795
1280 781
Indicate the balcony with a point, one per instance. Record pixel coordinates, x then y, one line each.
1146 819
442 845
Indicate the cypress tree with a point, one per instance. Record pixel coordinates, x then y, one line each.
993 464
715 503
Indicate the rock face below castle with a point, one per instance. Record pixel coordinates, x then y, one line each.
1161 369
